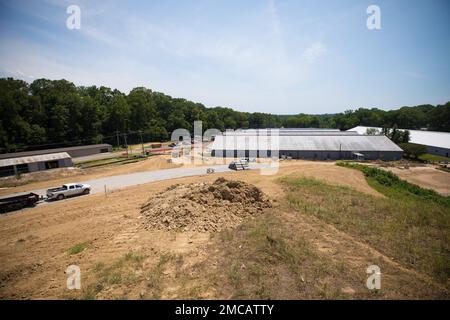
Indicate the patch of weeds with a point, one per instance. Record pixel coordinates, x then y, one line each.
79 247
90 293
155 275
234 275
120 272
264 259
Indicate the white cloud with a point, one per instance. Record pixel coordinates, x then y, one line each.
314 51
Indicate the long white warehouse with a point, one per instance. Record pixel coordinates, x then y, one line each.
332 145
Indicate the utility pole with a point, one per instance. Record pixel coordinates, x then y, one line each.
125 133
142 142
126 144
117 136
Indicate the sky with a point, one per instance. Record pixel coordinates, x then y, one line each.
275 56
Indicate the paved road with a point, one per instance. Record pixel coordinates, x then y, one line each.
132 179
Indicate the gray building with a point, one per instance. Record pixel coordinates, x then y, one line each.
331 145
13 166
74 152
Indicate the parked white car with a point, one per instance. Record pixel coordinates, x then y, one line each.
68 190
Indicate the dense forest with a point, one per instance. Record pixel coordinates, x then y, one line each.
55 113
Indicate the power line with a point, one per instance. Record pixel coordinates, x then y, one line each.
23 147
78 141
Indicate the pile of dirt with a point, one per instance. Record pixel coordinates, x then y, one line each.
204 207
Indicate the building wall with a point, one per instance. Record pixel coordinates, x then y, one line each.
40 166
33 167
444 152
67 163
316 155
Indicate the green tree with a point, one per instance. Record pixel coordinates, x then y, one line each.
413 150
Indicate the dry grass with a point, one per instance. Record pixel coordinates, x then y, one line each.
407 227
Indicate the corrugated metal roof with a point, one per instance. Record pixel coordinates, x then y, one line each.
47 151
427 138
33 159
292 132
305 143
291 129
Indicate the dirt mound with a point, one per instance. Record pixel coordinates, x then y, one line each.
203 206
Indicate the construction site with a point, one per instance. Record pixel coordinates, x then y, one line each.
155 229
224 159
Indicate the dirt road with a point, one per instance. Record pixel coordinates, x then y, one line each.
426 177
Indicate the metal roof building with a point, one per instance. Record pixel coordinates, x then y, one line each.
288 130
74 152
291 132
306 145
14 166
437 143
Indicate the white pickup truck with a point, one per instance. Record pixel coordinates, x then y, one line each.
68 190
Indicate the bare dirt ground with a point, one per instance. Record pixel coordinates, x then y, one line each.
34 244
427 177
216 206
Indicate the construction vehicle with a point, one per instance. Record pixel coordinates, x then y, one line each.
18 201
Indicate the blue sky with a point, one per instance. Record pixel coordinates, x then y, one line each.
277 56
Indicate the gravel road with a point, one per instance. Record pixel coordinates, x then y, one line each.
132 179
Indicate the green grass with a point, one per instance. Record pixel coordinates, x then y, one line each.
432 158
79 247
410 224
120 271
109 161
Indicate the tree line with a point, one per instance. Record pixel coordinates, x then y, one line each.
55 113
